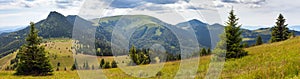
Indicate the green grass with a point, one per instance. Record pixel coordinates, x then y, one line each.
268 61
5 61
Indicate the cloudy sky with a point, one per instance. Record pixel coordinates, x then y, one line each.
252 13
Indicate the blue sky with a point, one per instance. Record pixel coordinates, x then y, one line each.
252 13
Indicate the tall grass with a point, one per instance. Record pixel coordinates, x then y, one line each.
279 60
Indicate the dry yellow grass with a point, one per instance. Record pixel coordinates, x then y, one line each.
269 61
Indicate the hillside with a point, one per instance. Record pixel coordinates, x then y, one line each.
275 61
60 50
148 28
250 36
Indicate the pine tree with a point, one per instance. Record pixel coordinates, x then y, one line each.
74 66
203 52
208 51
32 56
65 68
102 62
58 64
106 65
139 56
259 40
133 55
280 31
292 34
114 64
245 45
233 38
86 65
93 67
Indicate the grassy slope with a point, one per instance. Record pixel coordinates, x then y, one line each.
277 60
5 61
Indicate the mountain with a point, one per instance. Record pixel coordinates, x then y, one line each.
297 28
140 30
54 26
250 35
201 31
13 29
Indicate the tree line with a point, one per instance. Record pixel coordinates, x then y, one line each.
103 65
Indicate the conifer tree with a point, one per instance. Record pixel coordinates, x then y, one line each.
93 67
245 44
32 56
203 52
114 64
133 55
74 66
208 51
259 40
232 37
280 31
106 65
292 34
86 65
102 62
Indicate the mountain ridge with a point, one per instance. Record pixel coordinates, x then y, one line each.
57 25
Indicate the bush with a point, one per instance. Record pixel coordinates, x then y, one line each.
159 74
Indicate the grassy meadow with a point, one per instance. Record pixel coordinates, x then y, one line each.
268 61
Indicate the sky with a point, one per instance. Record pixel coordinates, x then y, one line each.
253 14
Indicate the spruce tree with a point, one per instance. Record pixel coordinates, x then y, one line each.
133 55
280 31
102 62
93 67
292 34
106 65
203 52
32 56
233 37
245 45
208 51
259 40
74 66
87 65
114 64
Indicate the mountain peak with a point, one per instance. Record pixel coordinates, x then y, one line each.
196 21
55 14
193 22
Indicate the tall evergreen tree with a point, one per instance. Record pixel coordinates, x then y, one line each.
139 56
203 52
102 62
87 65
74 66
259 40
292 34
114 64
245 45
133 55
106 65
233 37
32 56
208 51
280 31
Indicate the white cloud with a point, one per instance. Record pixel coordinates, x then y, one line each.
250 12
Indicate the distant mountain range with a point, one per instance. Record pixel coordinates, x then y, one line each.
146 31
11 29
295 28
